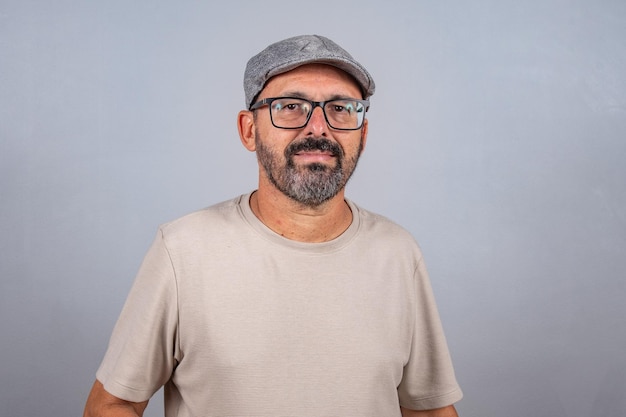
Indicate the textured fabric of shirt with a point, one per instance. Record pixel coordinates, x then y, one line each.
236 320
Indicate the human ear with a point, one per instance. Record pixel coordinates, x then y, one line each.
247 131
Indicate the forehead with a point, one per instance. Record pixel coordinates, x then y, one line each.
314 80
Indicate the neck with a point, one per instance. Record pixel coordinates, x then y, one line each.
298 222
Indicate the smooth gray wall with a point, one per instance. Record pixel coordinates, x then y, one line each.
497 137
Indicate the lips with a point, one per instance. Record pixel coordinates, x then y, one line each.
314 153
314 157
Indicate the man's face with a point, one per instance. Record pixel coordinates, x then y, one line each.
313 164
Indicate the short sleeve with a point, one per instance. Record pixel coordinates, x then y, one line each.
141 355
428 380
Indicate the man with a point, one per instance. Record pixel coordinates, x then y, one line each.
290 300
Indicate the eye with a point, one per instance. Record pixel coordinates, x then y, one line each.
343 107
290 106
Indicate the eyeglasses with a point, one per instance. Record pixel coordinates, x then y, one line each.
294 113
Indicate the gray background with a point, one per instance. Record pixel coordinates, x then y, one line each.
497 138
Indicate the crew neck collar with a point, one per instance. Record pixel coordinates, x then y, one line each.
321 247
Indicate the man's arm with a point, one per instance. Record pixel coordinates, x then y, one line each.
448 411
102 404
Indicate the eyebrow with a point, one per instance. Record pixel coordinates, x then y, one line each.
296 94
299 94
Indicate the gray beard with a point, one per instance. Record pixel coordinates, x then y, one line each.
310 185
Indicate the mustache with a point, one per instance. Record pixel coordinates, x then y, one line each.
311 143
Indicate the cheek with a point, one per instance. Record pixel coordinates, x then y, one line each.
271 146
354 148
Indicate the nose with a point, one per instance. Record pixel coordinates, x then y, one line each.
317 125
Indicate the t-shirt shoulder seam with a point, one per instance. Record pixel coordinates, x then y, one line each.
218 207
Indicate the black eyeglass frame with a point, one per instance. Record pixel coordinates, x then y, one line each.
268 102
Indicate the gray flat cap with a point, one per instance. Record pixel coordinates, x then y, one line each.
291 53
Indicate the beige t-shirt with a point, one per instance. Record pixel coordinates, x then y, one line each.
236 320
